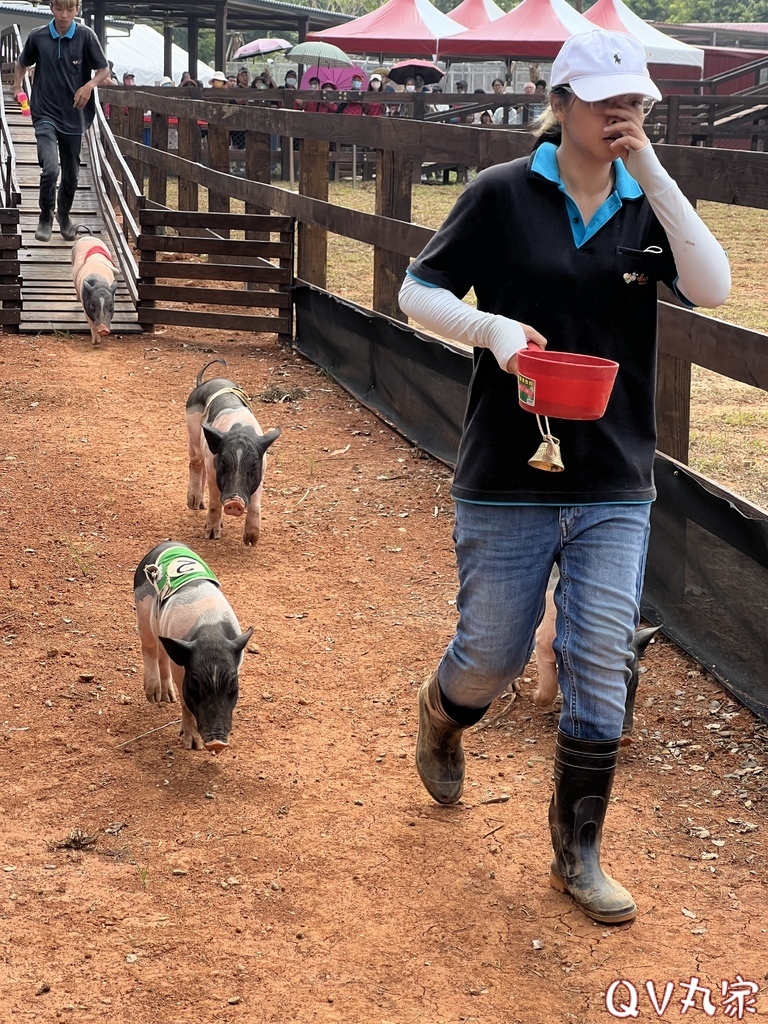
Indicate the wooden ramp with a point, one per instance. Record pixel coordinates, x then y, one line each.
49 301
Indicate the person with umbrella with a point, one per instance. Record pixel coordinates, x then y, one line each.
563 249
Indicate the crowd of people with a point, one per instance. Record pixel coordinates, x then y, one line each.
378 82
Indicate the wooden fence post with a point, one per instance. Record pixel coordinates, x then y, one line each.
158 178
312 261
136 134
394 173
673 406
189 149
673 119
257 168
218 160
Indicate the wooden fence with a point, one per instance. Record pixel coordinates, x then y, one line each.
231 260
685 336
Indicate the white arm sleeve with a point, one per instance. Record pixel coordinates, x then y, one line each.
704 275
440 311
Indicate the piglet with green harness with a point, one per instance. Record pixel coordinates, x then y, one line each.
228 451
191 643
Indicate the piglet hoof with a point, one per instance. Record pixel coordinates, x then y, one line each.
168 694
195 503
545 692
191 740
212 532
251 538
626 740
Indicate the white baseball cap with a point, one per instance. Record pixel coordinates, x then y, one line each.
597 65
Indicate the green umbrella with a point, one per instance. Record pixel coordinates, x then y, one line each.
322 55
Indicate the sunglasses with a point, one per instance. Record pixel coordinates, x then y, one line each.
644 104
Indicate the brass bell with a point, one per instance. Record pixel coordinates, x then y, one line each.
547 456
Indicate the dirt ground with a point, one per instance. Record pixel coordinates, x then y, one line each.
304 875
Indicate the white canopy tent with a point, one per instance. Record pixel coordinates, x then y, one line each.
141 53
615 16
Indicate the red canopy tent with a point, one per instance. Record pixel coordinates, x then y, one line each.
534 29
472 13
407 28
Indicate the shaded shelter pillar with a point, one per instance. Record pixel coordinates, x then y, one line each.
192 33
220 44
99 23
168 50
302 24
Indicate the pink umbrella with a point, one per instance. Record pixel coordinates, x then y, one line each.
260 47
340 78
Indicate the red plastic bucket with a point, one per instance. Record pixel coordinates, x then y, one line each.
564 385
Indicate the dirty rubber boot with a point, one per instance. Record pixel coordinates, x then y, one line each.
439 754
584 771
67 228
44 226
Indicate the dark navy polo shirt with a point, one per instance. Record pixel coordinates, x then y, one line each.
517 239
62 65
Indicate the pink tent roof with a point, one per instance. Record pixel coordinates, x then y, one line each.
408 28
472 13
535 28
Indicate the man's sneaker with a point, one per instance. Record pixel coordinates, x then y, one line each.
44 226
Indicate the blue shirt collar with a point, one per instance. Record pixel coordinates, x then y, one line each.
544 163
55 34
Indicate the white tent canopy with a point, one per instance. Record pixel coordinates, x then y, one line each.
141 53
615 16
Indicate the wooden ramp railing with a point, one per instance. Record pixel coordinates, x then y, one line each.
48 298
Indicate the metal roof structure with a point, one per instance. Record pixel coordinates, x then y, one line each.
750 35
261 16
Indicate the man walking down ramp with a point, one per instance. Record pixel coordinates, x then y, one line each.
65 56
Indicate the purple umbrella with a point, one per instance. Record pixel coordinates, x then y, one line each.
260 47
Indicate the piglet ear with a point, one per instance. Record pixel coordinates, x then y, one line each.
267 439
179 651
214 438
642 638
239 642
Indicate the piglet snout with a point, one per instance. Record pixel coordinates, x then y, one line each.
234 507
216 746
103 329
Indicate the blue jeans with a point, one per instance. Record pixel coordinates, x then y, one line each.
505 554
53 145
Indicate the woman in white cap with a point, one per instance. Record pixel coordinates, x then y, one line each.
564 249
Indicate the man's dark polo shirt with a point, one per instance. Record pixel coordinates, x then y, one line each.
510 237
62 65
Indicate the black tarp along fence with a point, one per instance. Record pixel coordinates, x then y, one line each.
707 573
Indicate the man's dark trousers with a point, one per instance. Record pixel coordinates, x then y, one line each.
53 145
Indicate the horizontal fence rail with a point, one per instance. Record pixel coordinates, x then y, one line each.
401 147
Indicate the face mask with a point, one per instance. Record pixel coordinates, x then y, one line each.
375 85
290 83
356 83
410 88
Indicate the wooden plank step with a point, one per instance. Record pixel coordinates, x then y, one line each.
38 327
70 306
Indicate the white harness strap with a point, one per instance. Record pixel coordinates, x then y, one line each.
227 391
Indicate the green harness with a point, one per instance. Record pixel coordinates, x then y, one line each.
174 568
